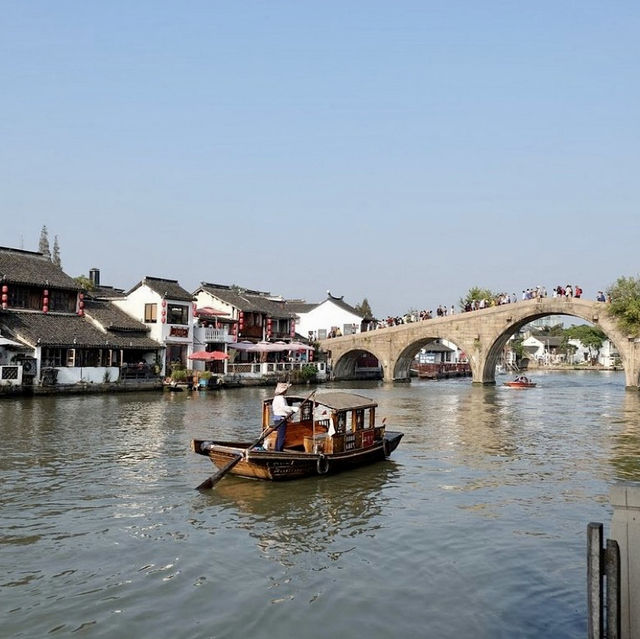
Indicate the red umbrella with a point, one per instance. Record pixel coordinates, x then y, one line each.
208 356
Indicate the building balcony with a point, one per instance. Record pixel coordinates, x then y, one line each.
216 335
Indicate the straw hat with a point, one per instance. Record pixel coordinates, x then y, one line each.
281 388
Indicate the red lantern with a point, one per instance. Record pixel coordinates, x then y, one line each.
45 308
241 320
164 303
81 296
292 332
5 288
5 296
310 355
269 327
46 292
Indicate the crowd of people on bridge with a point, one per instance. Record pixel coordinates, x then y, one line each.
570 291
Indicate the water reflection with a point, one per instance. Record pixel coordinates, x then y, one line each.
485 503
290 518
625 445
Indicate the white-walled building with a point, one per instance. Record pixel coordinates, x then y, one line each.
167 310
546 350
53 334
319 321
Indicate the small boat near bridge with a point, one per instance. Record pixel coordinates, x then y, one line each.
522 381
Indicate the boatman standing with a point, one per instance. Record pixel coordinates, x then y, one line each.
281 410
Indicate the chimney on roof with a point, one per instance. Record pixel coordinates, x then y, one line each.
94 276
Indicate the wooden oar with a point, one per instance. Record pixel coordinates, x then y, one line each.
210 482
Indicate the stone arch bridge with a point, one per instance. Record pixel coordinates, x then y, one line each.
481 334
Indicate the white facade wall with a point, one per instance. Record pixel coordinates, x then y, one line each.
134 306
203 298
534 346
607 357
325 316
92 375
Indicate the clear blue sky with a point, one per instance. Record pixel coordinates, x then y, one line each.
399 151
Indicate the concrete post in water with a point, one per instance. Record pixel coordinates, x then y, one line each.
594 581
625 529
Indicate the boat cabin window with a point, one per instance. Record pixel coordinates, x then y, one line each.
306 411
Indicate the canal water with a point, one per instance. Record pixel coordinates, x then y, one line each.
475 528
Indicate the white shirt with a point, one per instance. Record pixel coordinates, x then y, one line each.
280 407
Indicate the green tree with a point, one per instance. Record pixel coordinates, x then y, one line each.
56 252
43 244
84 282
363 309
590 336
475 294
625 303
517 347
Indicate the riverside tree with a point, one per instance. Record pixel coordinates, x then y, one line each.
625 304
364 309
475 294
590 336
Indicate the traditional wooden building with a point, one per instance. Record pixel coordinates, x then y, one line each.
44 311
167 310
259 315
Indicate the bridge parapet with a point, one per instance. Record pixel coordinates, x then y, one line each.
481 334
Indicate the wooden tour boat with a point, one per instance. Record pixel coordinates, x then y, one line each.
521 382
332 432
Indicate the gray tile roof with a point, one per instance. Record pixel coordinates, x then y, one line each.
437 347
247 300
299 306
107 292
167 289
110 317
549 340
52 329
338 301
28 267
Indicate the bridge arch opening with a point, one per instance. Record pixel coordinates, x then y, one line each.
445 359
495 354
357 364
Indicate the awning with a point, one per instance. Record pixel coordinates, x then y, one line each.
210 312
4 341
259 347
208 356
298 346
270 347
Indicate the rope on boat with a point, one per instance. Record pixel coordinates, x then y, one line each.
322 465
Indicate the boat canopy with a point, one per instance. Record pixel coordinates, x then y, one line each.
339 401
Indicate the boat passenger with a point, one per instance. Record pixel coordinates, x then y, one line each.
281 410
